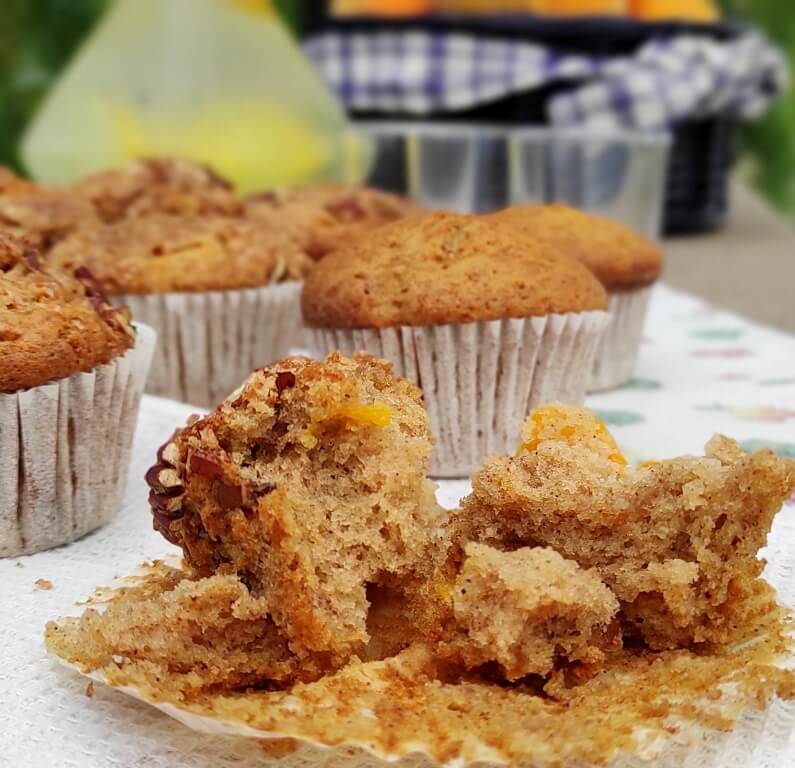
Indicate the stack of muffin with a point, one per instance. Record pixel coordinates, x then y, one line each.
218 276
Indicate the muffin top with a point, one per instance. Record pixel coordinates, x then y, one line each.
175 186
445 268
322 218
42 215
161 253
619 257
52 326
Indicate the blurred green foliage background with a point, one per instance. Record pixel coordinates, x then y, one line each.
767 147
37 37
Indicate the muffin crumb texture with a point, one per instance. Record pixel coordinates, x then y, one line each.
531 611
52 324
573 609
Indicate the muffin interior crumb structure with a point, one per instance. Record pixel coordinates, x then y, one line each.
676 540
528 609
573 609
310 483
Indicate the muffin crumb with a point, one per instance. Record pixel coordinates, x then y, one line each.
309 482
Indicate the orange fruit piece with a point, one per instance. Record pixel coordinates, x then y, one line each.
579 7
674 10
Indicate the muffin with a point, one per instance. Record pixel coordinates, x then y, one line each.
42 215
321 218
310 484
158 185
487 321
566 633
72 370
222 293
677 541
626 264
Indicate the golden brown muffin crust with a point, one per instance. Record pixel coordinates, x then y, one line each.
619 257
162 185
42 215
326 217
52 327
445 268
161 253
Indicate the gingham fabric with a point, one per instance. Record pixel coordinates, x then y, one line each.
664 82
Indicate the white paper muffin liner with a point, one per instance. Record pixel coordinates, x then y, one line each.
209 342
617 353
688 744
65 449
480 380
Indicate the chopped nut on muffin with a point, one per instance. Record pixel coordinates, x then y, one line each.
158 185
52 325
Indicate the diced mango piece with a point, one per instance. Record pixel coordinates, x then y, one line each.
374 415
572 425
377 414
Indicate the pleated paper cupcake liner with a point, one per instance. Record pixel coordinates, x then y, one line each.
209 342
65 450
480 380
617 352
755 733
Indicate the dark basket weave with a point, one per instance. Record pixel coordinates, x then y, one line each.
696 195
702 151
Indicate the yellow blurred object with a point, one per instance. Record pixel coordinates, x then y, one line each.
217 81
484 6
580 7
669 10
255 6
541 7
381 7
232 135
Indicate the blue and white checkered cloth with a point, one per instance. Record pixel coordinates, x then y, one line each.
665 82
